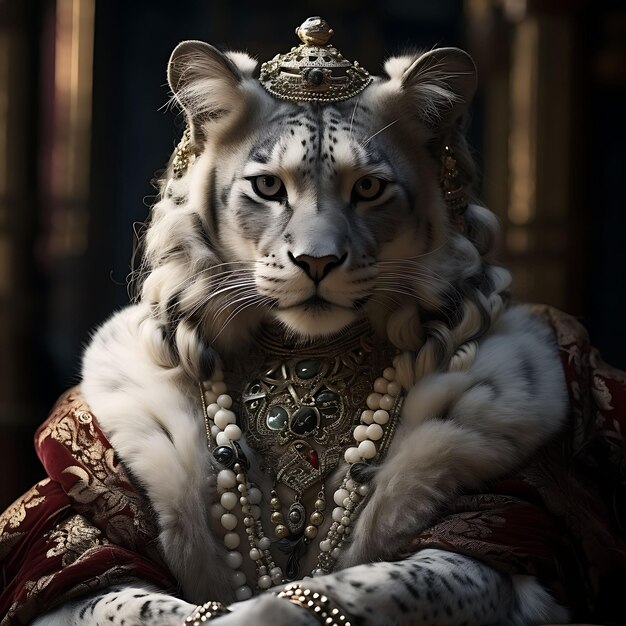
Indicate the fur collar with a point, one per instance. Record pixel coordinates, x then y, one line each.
152 417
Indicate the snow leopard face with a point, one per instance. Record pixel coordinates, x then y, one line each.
318 203
311 214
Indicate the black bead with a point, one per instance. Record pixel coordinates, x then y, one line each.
362 472
224 455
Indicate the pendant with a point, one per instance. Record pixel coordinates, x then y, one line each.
296 517
299 414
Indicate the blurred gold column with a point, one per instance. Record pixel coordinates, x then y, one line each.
56 202
70 149
530 161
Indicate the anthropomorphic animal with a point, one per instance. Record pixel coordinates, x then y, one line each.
320 359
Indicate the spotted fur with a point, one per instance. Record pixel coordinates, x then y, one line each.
432 588
484 385
130 605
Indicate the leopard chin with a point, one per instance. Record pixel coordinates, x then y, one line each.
316 320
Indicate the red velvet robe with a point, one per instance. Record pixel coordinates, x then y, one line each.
561 517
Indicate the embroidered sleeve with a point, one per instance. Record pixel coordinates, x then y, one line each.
83 528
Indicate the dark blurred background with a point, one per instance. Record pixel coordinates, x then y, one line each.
84 129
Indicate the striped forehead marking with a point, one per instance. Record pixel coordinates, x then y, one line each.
311 140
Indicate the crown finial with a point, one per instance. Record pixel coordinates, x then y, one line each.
314 31
314 71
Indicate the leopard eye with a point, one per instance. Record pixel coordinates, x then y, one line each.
269 187
368 188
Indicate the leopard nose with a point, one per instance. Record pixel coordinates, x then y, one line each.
317 267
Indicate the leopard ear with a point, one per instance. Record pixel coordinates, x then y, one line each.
206 82
440 83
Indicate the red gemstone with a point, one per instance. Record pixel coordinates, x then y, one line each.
312 458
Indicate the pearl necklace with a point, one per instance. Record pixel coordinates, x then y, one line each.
377 423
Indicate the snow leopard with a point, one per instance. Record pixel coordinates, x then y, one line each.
314 217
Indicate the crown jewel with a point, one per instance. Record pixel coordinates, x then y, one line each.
314 71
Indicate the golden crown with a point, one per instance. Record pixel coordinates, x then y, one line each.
313 71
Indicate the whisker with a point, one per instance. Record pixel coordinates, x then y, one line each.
411 258
411 295
356 104
211 294
197 275
364 143
230 303
239 291
415 281
388 274
379 300
239 310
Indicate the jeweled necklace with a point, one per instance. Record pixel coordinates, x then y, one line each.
299 402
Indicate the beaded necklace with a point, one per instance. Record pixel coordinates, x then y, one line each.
304 398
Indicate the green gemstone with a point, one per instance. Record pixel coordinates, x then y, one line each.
276 418
307 369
